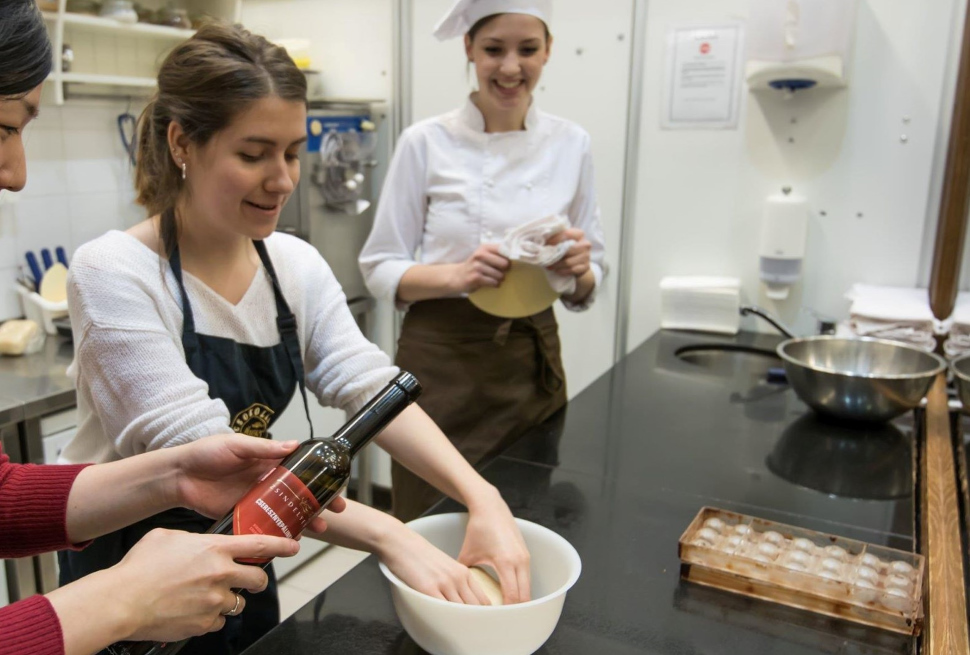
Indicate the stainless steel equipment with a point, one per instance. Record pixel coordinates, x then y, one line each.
860 379
333 206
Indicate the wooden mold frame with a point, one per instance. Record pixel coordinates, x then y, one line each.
940 532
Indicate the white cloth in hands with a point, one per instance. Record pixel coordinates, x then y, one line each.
527 243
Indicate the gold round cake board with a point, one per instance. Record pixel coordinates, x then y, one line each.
524 291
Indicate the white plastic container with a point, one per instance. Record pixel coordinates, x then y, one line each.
43 312
445 628
784 236
798 44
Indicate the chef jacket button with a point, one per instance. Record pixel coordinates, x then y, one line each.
529 186
489 183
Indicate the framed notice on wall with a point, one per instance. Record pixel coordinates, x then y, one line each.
703 82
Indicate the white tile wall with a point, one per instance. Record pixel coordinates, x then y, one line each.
79 186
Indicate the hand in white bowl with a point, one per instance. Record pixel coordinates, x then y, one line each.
425 568
493 538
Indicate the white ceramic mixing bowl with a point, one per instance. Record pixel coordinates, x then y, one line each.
444 628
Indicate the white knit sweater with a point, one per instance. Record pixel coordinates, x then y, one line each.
135 391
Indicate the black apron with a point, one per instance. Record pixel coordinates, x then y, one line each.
256 384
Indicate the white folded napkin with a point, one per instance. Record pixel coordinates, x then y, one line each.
918 336
900 304
961 311
527 243
897 313
958 341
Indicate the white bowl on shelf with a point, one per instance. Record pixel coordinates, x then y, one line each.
445 628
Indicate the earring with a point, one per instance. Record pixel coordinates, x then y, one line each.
183 170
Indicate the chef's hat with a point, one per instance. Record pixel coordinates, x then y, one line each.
466 13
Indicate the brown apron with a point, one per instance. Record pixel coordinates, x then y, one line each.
487 380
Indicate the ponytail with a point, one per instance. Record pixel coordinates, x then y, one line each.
158 180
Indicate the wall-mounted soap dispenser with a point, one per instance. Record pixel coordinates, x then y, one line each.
784 233
799 44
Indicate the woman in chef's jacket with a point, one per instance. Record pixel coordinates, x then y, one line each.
457 184
202 320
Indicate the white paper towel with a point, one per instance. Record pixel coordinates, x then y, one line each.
708 304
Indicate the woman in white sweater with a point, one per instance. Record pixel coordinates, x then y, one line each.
184 324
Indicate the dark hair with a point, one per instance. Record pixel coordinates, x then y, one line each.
25 49
203 84
482 22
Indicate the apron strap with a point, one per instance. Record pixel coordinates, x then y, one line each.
550 379
286 322
190 341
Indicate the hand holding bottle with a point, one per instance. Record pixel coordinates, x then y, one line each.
213 473
171 585
191 580
285 501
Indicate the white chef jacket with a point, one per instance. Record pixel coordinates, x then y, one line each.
452 187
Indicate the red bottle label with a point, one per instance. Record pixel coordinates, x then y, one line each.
280 505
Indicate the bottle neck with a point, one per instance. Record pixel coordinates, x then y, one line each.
378 412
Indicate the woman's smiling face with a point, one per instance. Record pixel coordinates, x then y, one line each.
509 52
240 179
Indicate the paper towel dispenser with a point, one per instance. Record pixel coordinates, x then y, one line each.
784 233
799 44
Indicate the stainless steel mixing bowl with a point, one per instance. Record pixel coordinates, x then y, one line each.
860 379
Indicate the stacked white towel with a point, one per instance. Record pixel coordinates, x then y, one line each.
897 313
958 341
527 243
708 304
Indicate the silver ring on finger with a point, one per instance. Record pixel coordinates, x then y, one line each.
235 608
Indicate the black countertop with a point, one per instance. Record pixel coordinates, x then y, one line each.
622 472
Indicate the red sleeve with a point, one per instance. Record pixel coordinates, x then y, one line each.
33 507
31 626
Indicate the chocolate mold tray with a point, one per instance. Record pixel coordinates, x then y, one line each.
844 578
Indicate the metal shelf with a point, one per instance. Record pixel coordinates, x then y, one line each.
105 80
131 35
99 24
